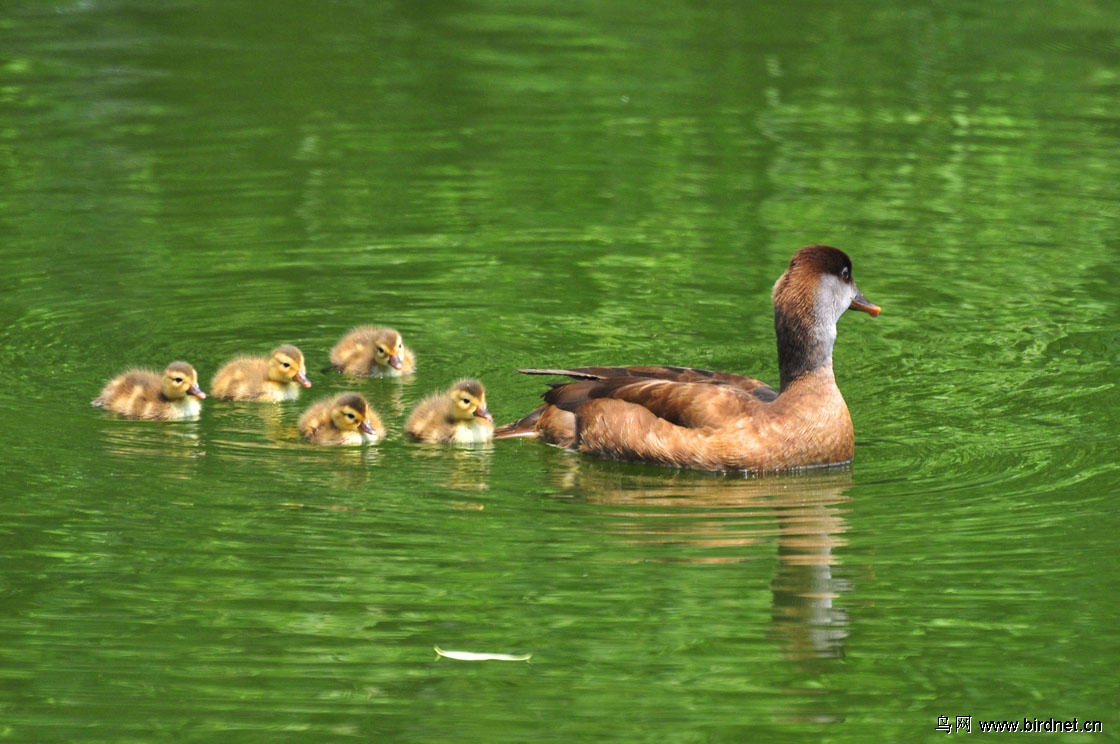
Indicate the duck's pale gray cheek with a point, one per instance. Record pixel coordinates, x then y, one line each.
833 298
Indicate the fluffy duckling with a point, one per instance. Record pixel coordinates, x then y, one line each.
143 394
277 378
344 419
373 352
456 415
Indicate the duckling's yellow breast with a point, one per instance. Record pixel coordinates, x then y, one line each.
187 408
474 432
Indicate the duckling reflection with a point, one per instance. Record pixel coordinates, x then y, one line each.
246 427
341 469
389 400
700 518
174 453
457 468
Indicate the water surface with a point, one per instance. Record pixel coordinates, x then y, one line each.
526 184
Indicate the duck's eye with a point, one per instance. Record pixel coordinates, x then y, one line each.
286 364
845 273
178 380
349 415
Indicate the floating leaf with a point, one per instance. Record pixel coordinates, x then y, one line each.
472 656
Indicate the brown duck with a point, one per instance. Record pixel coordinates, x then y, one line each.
696 418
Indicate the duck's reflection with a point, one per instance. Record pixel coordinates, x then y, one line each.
725 519
810 522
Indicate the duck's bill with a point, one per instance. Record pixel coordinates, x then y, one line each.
301 378
196 391
483 413
367 428
395 361
862 304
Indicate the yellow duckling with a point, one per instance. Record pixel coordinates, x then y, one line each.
373 352
456 415
344 419
276 378
143 394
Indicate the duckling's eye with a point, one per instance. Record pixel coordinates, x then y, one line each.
178 380
350 416
845 273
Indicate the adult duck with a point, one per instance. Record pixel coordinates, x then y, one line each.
695 418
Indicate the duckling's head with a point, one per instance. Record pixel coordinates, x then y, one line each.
286 365
179 381
468 401
351 413
388 348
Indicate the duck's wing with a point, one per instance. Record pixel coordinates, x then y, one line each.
750 385
693 405
683 396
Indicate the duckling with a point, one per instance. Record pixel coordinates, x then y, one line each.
455 415
696 418
344 419
143 394
373 352
276 378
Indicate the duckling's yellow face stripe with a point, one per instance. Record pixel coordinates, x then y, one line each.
465 404
386 350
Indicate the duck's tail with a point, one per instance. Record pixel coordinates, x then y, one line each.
525 427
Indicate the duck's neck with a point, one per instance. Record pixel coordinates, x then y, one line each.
804 345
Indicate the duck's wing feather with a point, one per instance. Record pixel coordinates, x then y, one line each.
757 388
692 405
683 396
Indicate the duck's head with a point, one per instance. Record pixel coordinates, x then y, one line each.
809 298
286 365
388 348
468 401
351 413
819 284
180 380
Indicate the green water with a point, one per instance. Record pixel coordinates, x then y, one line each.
556 184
